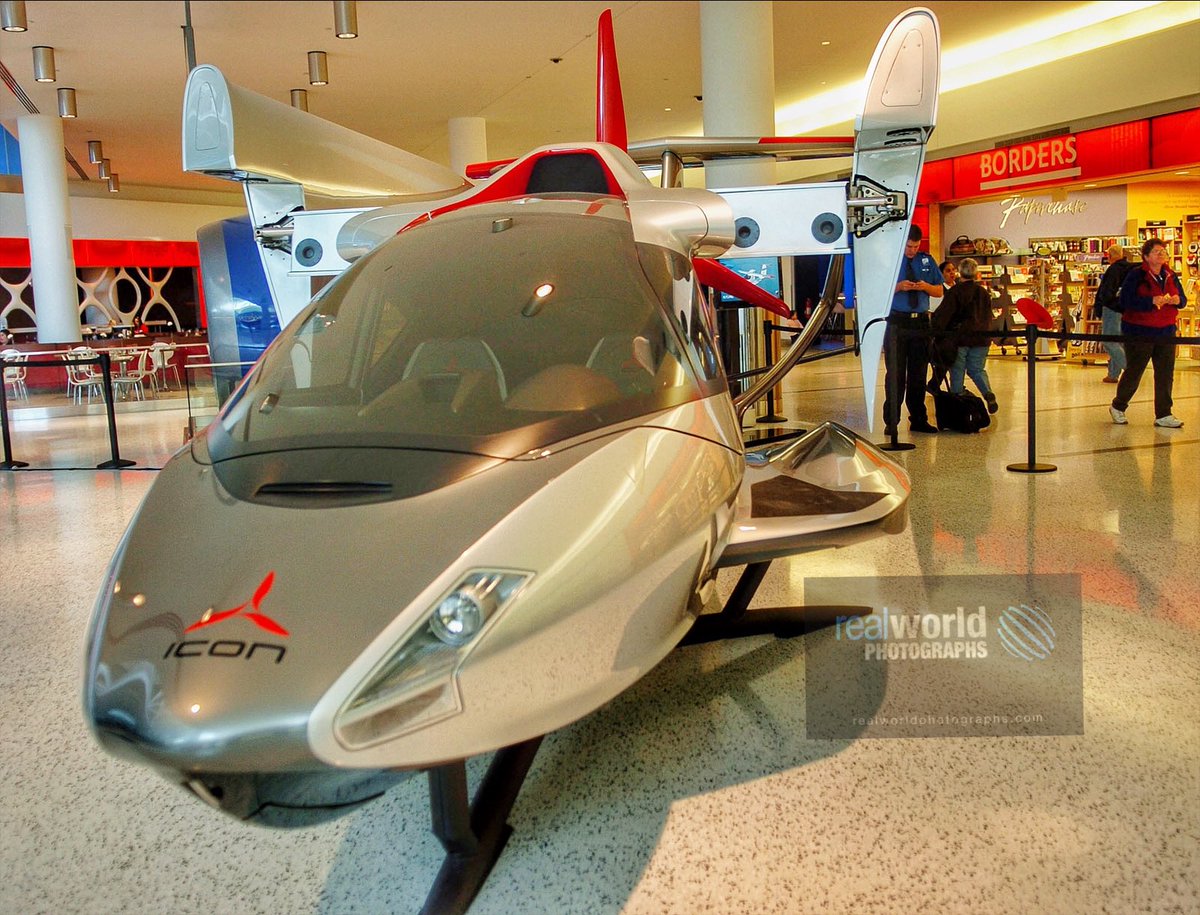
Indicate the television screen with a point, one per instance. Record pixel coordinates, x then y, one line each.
763 272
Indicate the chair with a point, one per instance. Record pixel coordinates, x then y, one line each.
448 360
161 355
81 378
15 374
133 376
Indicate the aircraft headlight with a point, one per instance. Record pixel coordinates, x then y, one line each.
417 684
457 618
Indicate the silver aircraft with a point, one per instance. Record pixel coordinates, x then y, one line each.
479 485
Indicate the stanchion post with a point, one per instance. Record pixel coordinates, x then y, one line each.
1031 465
769 350
9 463
116 462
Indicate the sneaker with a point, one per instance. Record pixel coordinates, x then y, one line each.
1169 421
923 427
1108 380
991 402
1118 416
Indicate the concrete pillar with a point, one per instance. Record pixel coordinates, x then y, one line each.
468 142
737 61
48 223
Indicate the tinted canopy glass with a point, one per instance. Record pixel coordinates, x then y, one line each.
494 331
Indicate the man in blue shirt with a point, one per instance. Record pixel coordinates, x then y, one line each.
906 341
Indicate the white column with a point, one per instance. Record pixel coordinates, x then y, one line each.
48 223
468 143
737 61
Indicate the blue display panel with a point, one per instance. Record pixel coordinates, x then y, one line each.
763 272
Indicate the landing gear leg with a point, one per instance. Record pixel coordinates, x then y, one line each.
473 833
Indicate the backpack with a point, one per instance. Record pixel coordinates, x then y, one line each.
1110 296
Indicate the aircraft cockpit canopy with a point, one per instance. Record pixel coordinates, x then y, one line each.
494 330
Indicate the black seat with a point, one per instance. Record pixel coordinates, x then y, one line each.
567 173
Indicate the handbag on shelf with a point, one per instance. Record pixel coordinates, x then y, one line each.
962 245
984 246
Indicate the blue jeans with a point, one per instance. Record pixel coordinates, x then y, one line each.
970 361
1110 323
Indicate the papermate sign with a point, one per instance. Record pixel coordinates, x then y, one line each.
945 656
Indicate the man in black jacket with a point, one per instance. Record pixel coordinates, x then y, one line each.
1108 306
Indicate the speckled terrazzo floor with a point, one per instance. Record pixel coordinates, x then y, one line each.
695 791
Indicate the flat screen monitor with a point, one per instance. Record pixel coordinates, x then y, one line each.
763 272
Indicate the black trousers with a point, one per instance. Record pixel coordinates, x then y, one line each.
906 360
1160 351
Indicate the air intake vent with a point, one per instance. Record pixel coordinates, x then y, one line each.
326 489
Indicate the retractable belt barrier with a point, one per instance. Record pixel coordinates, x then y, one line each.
1032 335
104 360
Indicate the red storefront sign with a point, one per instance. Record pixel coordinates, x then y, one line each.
102 252
1171 140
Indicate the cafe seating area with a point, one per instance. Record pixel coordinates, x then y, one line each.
66 378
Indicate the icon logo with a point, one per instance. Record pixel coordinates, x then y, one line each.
259 619
1026 632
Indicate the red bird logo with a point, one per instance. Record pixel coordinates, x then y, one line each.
261 620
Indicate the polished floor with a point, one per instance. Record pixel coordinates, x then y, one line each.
696 791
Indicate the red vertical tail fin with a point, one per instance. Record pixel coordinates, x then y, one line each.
610 108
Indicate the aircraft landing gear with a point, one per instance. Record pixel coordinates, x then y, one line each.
736 620
473 832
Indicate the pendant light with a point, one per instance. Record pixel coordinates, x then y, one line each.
318 68
345 19
95 152
66 103
12 16
43 64
114 183
104 169
300 99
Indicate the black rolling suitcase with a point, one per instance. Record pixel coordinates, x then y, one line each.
963 412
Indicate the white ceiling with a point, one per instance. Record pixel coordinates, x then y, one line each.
415 65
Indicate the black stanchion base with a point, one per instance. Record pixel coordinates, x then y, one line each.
771 418
116 465
1026 467
896 446
13 465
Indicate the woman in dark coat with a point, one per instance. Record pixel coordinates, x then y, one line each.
967 309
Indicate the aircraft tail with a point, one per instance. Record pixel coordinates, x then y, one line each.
610 107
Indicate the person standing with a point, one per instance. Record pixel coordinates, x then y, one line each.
967 309
906 341
941 350
1151 298
1109 308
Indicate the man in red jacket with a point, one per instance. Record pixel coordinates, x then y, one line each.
1151 297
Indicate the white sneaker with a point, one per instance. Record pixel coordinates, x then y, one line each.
1169 421
1118 416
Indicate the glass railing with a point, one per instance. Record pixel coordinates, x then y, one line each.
208 386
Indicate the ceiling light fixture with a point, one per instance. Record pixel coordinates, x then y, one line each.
318 68
43 64
300 99
12 16
1084 28
114 183
345 19
66 103
104 169
95 152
